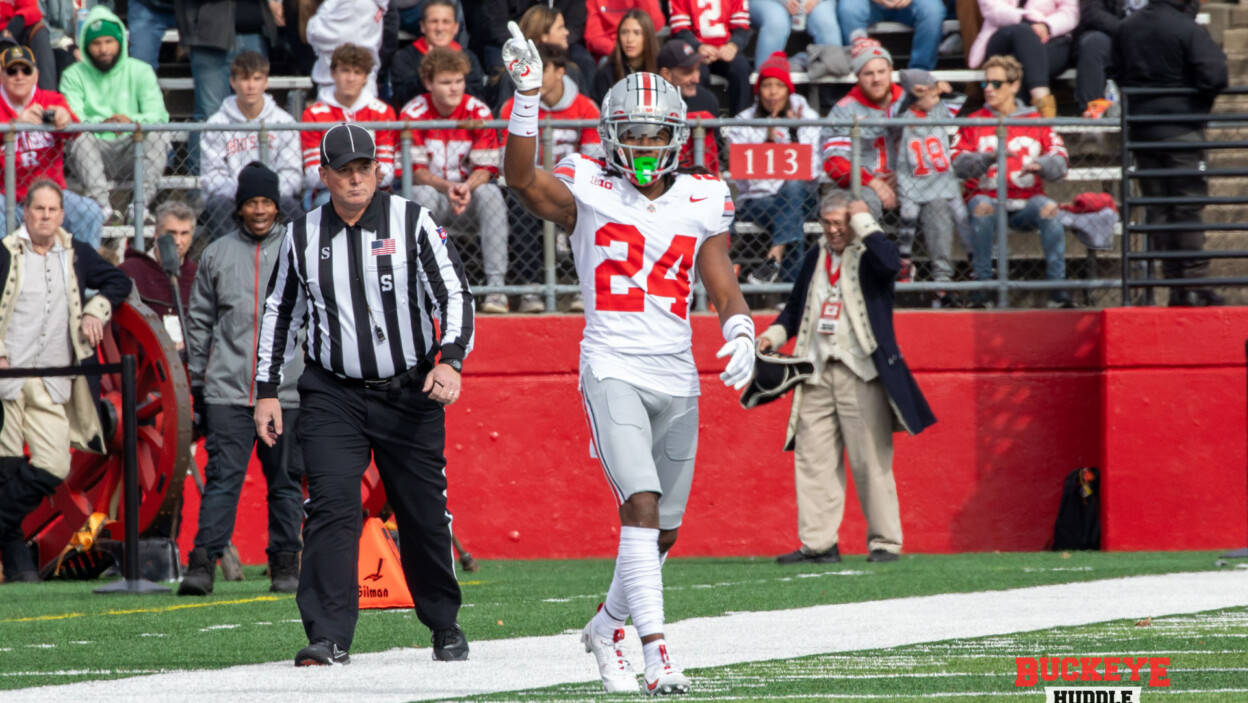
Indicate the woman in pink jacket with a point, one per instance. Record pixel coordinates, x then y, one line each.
1037 33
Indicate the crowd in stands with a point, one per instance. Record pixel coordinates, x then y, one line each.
419 60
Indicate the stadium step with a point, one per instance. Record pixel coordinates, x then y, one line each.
1237 66
1235 39
1223 187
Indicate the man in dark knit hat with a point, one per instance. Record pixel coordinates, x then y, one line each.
221 329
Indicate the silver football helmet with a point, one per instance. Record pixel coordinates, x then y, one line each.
643 105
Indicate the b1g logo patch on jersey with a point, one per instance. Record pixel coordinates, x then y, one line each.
601 182
441 233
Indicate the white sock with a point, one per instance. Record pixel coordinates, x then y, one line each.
616 606
639 571
653 655
614 611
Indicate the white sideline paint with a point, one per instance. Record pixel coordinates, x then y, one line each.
534 662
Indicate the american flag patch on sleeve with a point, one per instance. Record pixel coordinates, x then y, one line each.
441 233
383 247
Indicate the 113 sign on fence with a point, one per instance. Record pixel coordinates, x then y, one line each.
786 162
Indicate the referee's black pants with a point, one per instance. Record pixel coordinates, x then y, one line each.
339 425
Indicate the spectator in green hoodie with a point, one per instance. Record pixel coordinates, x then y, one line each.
109 86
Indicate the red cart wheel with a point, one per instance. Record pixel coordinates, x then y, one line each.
94 484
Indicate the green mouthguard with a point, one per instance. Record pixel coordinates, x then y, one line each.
644 168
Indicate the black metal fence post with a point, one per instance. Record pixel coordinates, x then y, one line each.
130 581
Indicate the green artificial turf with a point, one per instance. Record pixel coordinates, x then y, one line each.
1208 655
49 630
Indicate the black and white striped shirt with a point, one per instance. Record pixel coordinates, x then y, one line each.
368 294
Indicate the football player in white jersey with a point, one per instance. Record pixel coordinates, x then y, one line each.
638 229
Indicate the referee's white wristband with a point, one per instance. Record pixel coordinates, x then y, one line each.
738 325
523 120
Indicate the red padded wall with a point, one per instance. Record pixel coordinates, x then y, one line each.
1155 397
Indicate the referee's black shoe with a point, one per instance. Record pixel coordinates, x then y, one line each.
321 653
801 556
450 645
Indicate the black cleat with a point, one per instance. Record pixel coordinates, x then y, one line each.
832 556
450 644
882 556
321 653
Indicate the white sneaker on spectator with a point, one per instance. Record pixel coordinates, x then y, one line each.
131 218
617 675
950 45
665 678
577 304
532 303
494 304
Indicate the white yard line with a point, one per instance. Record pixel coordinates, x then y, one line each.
533 662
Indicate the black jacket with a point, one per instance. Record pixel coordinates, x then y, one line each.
1100 15
210 23
1161 46
496 13
877 274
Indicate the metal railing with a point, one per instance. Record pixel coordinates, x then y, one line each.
1149 253
555 278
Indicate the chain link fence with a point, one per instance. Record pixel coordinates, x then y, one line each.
903 167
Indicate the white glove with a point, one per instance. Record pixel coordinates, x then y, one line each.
740 369
522 60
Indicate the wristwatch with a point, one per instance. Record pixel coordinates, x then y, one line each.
454 363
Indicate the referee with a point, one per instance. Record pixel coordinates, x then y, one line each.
367 272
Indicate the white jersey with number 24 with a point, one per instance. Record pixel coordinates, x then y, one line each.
636 262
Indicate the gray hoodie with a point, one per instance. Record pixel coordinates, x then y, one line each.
226 153
223 322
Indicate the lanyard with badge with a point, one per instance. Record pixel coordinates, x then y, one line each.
830 314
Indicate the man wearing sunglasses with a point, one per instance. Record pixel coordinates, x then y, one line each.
40 154
1034 154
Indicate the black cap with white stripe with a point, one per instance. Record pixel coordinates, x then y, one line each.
344 143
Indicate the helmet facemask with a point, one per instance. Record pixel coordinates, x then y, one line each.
643 108
635 153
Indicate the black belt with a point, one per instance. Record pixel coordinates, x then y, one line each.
393 384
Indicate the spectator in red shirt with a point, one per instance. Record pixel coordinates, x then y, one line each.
604 21
719 31
22 23
1036 154
453 169
349 101
41 154
559 100
636 49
